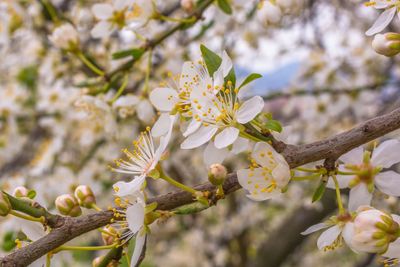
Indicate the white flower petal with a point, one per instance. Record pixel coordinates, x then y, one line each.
255 182
102 11
223 70
250 109
328 237
164 99
192 127
124 189
386 154
121 4
354 156
200 137
240 145
265 155
161 126
32 230
139 244
359 196
315 228
145 111
383 20
226 137
101 29
347 233
214 155
389 183
135 217
343 180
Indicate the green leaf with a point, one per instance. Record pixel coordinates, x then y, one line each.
250 78
136 53
225 6
212 60
9 241
274 125
319 192
231 77
31 194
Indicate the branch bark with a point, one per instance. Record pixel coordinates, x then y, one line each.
330 148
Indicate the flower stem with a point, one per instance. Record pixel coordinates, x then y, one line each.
307 177
346 173
88 248
148 71
338 196
182 20
26 217
95 207
307 170
120 90
48 259
249 136
89 64
176 183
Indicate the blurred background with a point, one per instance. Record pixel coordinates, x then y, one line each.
59 129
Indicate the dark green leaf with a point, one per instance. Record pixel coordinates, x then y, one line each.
136 53
212 60
319 192
274 125
225 6
250 78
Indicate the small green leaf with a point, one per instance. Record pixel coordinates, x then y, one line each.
319 192
274 125
231 77
136 53
212 60
250 78
225 6
31 194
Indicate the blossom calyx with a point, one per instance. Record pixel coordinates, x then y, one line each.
68 205
5 205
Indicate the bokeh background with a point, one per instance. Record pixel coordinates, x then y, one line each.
320 77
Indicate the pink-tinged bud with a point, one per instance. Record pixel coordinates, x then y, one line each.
109 235
373 232
85 196
217 174
68 205
97 261
387 44
187 5
5 205
21 191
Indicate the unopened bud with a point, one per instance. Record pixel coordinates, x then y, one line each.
187 5
85 196
21 191
387 44
5 205
109 235
217 174
97 261
68 205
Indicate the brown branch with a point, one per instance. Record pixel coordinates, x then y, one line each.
295 155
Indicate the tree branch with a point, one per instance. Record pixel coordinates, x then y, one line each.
330 148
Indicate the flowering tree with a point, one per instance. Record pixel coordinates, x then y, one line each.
212 177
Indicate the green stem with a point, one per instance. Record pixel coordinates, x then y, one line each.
304 178
307 170
27 217
87 248
338 196
181 20
48 260
249 136
176 183
346 173
51 10
89 64
113 255
148 71
120 90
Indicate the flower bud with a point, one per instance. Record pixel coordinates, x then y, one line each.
68 205
5 205
387 44
217 174
65 37
21 191
373 231
268 13
109 235
97 261
187 5
85 196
